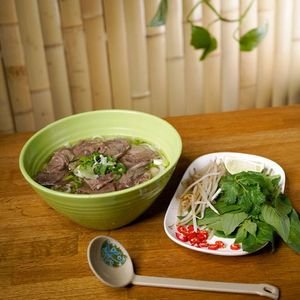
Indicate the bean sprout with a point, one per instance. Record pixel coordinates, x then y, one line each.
201 190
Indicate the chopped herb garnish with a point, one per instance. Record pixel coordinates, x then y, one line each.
102 164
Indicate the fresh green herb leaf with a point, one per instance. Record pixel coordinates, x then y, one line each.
221 234
241 235
100 164
160 16
208 220
250 227
294 235
252 38
281 223
230 189
283 204
250 243
265 233
231 221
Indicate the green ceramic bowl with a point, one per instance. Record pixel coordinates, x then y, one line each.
109 210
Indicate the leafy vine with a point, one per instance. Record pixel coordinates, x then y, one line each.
201 38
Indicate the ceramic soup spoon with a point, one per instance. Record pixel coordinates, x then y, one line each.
111 263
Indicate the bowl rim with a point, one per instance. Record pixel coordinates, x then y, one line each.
40 187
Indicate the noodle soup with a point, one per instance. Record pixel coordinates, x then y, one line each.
101 165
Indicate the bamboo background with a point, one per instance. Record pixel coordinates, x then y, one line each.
60 57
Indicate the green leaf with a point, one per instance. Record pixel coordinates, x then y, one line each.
265 233
245 200
231 221
241 235
230 189
279 222
202 39
250 227
294 235
223 207
250 244
217 225
283 204
220 233
208 220
160 16
213 46
252 38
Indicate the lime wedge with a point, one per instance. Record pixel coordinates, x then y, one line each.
236 165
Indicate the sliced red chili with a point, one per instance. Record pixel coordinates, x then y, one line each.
191 235
204 233
235 247
190 228
220 244
213 247
203 244
182 229
181 237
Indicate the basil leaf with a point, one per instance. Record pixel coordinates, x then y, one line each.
231 221
283 204
250 244
160 16
265 233
208 220
241 235
252 38
250 226
293 239
278 221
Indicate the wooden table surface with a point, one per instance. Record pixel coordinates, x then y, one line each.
43 255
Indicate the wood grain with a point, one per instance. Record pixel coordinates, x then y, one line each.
43 255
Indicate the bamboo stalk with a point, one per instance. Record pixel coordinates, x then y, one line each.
93 23
6 119
32 40
14 67
248 60
118 56
229 57
54 48
175 61
265 56
294 80
284 10
156 49
137 54
212 64
193 68
76 54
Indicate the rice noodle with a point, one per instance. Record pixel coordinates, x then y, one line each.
201 190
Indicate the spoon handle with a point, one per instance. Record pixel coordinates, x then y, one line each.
262 289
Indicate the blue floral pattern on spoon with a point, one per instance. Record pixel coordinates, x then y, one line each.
112 254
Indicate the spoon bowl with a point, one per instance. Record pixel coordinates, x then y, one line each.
111 263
